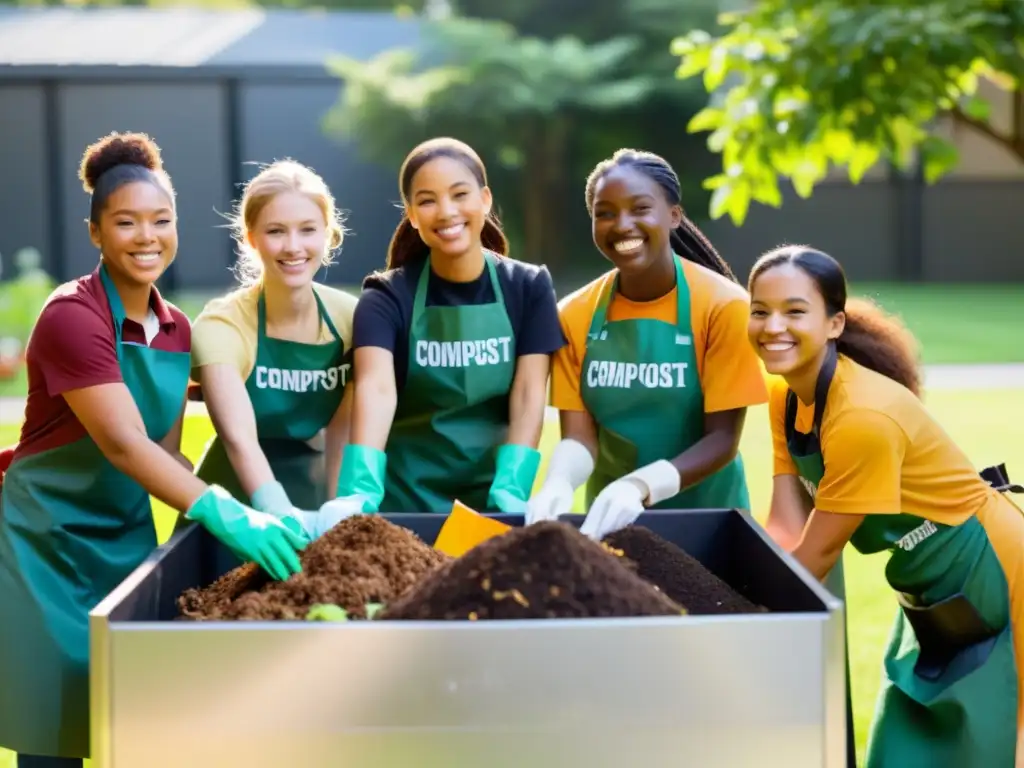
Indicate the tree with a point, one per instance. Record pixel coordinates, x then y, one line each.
520 101
797 85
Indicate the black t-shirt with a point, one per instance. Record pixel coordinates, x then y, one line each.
384 313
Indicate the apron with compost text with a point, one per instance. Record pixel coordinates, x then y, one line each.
640 384
72 527
452 414
949 693
295 390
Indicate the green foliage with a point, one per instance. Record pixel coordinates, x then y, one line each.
23 297
486 81
331 612
799 85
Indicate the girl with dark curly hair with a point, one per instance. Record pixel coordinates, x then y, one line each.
859 459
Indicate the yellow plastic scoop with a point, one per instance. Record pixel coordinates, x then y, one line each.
464 529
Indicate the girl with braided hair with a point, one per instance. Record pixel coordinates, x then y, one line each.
654 384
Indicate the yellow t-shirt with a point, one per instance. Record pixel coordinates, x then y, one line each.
730 372
225 331
884 453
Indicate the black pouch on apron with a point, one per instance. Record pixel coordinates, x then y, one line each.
996 477
953 637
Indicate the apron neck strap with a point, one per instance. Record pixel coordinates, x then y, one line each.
261 315
116 306
420 301
821 387
600 317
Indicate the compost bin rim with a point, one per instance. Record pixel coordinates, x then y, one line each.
464 625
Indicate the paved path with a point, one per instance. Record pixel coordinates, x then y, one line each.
969 377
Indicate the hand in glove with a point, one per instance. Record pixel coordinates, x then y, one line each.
333 512
253 536
514 473
568 469
272 498
623 501
362 474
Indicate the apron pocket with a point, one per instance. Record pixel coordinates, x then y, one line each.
954 639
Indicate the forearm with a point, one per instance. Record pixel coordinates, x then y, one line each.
157 471
373 413
336 437
526 415
705 457
249 462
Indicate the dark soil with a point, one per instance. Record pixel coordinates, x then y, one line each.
677 574
364 559
546 570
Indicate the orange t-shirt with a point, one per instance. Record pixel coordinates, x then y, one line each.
884 453
730 371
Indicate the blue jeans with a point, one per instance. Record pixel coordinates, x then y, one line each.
34 761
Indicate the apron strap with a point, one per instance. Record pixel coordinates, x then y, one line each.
261 316
419 302
325 317
599 319
821 387
116 308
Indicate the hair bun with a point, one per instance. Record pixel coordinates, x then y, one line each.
117 149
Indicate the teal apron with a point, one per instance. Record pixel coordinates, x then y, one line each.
72 527
452 414
295 390
640 384
949 693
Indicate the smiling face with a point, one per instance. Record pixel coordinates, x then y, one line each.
290 235
632 220
137 232
448 206
789 325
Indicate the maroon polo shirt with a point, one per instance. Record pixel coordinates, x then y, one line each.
72 347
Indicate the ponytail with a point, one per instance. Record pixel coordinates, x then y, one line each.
879 341
407 246
690 243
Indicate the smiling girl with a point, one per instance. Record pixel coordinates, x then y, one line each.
108 365
859 459
453 345
273 357
654 385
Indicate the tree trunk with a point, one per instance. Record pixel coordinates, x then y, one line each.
545 194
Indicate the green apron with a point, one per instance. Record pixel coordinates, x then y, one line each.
949 693
805 451
295 390
641 386
72 527
453 412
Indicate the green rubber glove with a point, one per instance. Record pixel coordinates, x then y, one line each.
272 498
362 474
252 535
515 471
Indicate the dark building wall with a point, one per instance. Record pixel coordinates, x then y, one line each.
25 189
187 120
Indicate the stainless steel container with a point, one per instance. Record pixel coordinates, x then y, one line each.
739 691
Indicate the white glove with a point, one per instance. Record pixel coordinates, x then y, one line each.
316 524
623 501
568 469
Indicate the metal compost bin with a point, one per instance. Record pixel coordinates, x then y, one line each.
737 691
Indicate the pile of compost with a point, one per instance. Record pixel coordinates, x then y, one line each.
362 560
681 577
543 571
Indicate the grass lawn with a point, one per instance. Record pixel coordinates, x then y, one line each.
954 323
986 425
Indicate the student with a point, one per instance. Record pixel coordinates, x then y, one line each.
653 387
859 459
108 364
452 351
273 357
